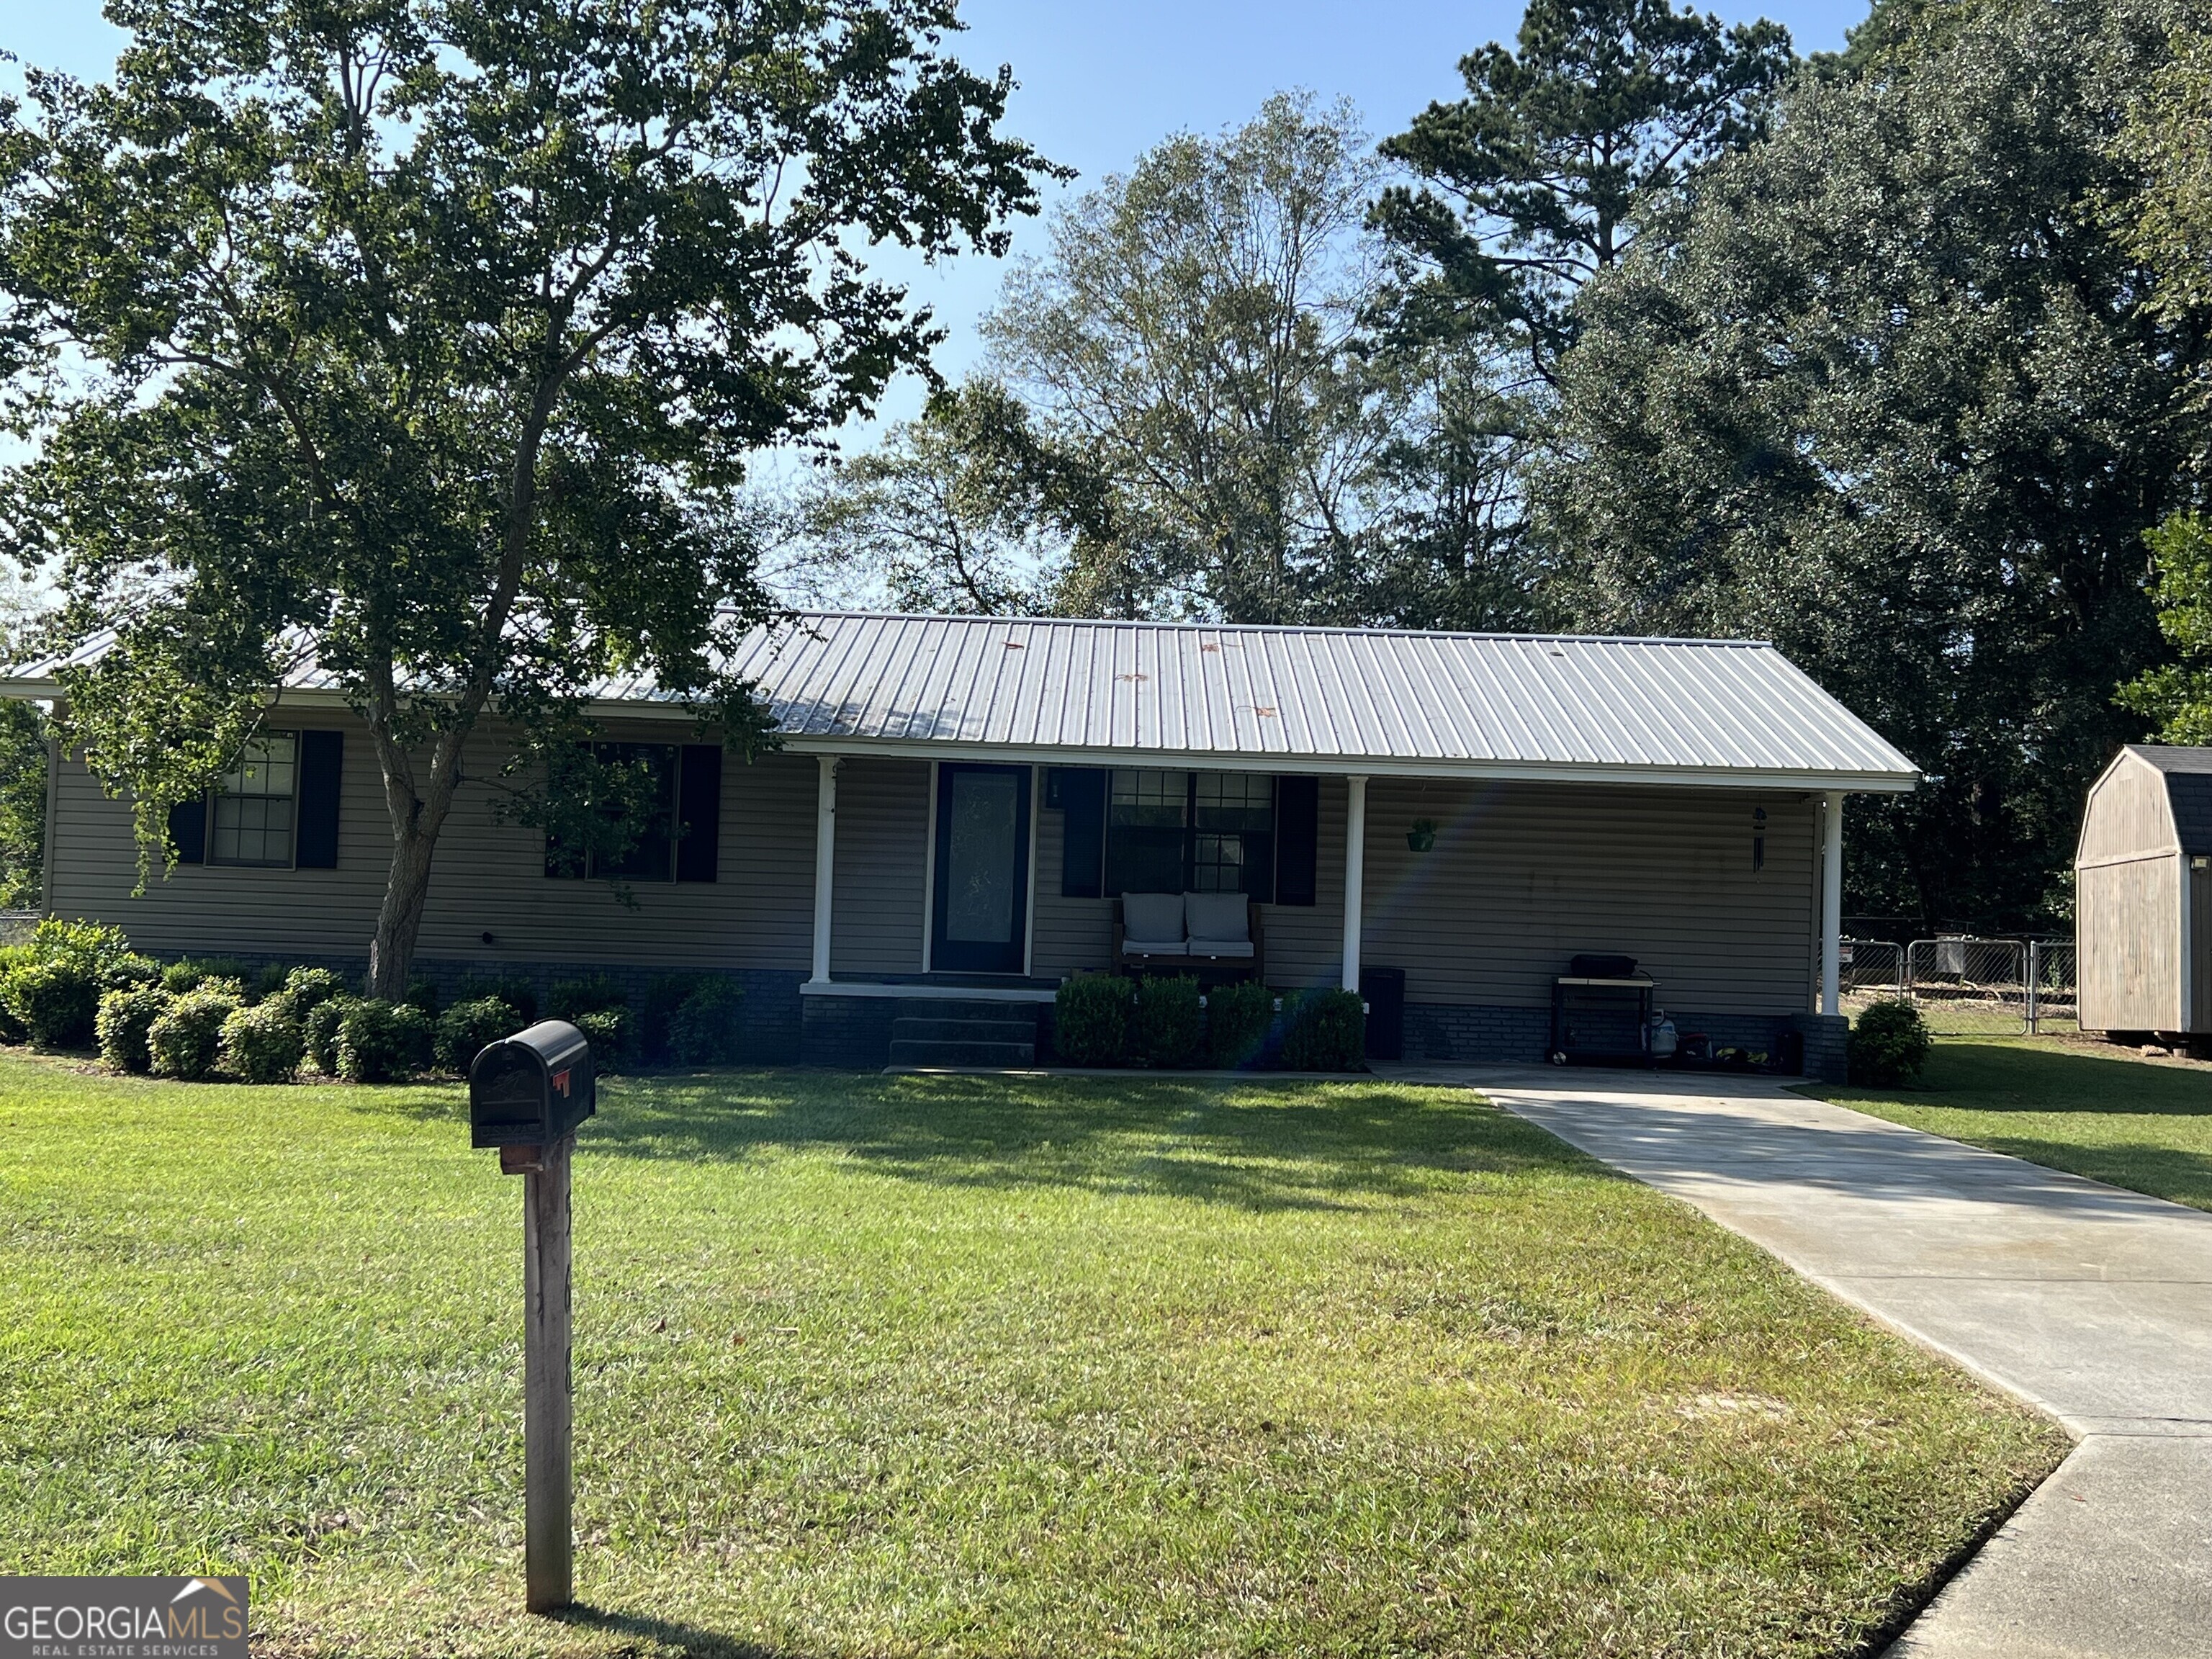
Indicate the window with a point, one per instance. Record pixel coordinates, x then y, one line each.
253 805
1204 832
676 791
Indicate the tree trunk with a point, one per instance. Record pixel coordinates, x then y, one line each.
399 918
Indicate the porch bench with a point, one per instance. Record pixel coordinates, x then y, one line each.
1199 931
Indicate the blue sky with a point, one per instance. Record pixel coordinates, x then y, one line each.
1101 80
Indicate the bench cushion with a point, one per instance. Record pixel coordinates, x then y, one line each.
1152 919
1221 947
1217 916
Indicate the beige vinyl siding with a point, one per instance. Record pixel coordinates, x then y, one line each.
488 876
1072 935
1524 876
883 831
2128 965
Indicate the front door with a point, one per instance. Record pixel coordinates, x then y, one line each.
979 912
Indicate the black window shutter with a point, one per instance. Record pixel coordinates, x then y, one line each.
699 813
322 763
1082 834
188 830
1297 839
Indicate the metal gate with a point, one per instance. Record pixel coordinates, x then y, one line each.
1969 987
1871 971
2051 996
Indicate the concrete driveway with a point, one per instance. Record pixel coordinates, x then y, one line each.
2092 1303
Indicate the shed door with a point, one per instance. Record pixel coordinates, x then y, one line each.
980 911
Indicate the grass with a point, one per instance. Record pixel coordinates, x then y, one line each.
958 1365
2100 1112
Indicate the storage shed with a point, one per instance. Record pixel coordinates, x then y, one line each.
2144 894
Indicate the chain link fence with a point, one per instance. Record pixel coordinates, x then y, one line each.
1966 986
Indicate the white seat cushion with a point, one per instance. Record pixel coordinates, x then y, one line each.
1154 918
1217 916
1221 947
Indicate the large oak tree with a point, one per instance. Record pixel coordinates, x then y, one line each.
427 337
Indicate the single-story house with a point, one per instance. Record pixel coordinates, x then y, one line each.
2143 894
958 805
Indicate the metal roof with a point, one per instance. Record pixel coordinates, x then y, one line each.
1315 699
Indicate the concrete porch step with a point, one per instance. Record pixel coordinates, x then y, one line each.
913 1029
907 1051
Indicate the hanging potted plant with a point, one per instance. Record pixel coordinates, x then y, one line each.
1422 836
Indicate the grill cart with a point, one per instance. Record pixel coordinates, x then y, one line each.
1602 1013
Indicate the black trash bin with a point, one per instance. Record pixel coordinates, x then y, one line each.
1383 991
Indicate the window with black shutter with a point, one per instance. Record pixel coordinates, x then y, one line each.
1297 839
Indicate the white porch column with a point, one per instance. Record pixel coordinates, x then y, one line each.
1831 904
1355 874
825 860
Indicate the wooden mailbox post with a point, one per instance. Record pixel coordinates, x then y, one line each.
527 1093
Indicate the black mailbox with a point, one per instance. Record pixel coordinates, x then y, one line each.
532 1088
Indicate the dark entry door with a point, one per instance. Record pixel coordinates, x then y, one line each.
979 912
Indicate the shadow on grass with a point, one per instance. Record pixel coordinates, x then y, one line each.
1251 1144
1990 1076
2167 1172
687 1639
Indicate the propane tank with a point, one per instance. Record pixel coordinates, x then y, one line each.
1663 1037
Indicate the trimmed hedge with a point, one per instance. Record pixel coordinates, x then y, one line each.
1237 1016
1090 1019
1324 1031
192 973
187 1039
1167 1026
570 998
262 1043
54 999
608 1031
705 1029
1889 1044
121 1025
467 1028
379 1041
321 1025
515 991
309 988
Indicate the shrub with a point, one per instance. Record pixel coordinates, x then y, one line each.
91 946
130 972
1238 1017
187 1039
194 972
466 1029
262 1044
656 1011
121 1025
1167 1025
704 1030
268 980
1324 1031
1090 1020
54 999
1889 1044
380 1040
321 1024
11 1029
608 1031
517 993
308 988
421 994
572 997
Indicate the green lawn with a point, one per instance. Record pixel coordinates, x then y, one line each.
924 1365
2111 1115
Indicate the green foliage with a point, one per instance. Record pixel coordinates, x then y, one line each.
656 1010
706 1029
22 803
422 995
95 946
1886 390
1889 1044
1090 1019
185 1039
608 1030
131 971
189 972
1324 1031
515 991
467 1028
1237 1016
262 1043
125 1017
2168 135
308 988
1538 179
568 999
528 290
2177 696
378 1040
268 980
53 999
321 1023
1167 1026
